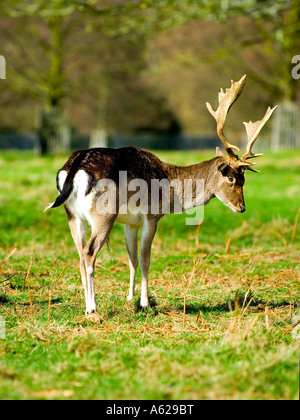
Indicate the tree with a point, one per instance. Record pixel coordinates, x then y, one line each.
49 29
131 23
259 44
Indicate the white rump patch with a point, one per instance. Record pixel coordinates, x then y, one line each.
62 176
78 203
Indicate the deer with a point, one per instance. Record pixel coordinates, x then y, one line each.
79 193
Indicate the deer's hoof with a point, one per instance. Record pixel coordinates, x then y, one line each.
145 307
94 317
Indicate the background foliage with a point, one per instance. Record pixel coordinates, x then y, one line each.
117 63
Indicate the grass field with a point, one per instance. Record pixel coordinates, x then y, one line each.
230 333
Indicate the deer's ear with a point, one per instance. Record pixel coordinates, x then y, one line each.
219 152
222 167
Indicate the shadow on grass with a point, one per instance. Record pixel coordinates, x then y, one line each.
37 302
239 300
4 299
153 305
230 305
135 307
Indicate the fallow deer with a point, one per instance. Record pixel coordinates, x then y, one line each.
78 180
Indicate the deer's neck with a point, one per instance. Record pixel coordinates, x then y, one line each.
201 173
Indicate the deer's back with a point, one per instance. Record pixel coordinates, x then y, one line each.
105 163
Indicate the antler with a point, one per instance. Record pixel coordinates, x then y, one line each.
253 131
226 100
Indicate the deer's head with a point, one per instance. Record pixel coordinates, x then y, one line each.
229 177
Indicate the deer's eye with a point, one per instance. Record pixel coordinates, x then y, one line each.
230 179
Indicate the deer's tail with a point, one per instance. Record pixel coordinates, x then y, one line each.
69 183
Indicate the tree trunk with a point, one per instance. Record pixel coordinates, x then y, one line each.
99 137
54 134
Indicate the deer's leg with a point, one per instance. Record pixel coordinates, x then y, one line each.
131 237
78 231
148 233
101 229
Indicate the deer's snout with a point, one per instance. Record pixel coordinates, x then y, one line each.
243 208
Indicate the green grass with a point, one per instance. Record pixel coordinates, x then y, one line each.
233 339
